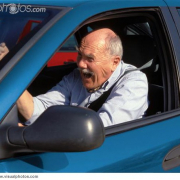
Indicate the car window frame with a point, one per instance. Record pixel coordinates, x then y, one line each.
176 16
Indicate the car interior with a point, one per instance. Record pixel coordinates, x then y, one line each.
139 47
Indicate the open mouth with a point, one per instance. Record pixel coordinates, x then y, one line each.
86 73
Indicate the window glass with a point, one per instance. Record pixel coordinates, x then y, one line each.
70 45
16 26
67 53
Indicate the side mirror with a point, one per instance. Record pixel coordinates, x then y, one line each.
58 129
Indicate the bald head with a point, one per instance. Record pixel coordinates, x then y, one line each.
105 38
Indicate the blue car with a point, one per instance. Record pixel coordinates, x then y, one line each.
73 139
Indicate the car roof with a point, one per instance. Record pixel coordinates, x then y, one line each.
173 2
71 3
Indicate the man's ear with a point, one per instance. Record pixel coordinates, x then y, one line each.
115 62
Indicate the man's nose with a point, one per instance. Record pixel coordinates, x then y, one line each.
82 63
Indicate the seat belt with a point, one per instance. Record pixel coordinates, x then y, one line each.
97 104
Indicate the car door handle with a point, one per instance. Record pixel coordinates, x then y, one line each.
172 159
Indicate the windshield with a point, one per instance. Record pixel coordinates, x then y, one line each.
19 24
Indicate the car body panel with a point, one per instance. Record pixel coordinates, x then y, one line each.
68 3
75 3
139 150
172 2
119 153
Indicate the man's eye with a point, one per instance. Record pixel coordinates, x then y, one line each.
90 59
79 55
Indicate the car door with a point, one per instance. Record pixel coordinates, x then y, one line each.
140 145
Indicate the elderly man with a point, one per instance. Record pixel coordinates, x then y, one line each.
99 68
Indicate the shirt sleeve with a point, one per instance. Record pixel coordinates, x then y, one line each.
127 101
58 95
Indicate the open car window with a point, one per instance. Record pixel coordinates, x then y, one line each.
143 40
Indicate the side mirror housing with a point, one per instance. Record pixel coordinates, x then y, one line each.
58 129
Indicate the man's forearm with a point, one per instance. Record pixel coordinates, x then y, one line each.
25 105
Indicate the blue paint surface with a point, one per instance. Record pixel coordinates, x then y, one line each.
139 150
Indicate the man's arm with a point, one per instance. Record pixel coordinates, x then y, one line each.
32 107
26 105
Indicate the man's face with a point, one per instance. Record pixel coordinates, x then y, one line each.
95 63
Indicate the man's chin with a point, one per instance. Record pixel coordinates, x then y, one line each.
87 82
87 86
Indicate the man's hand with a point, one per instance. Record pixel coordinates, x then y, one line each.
3 50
